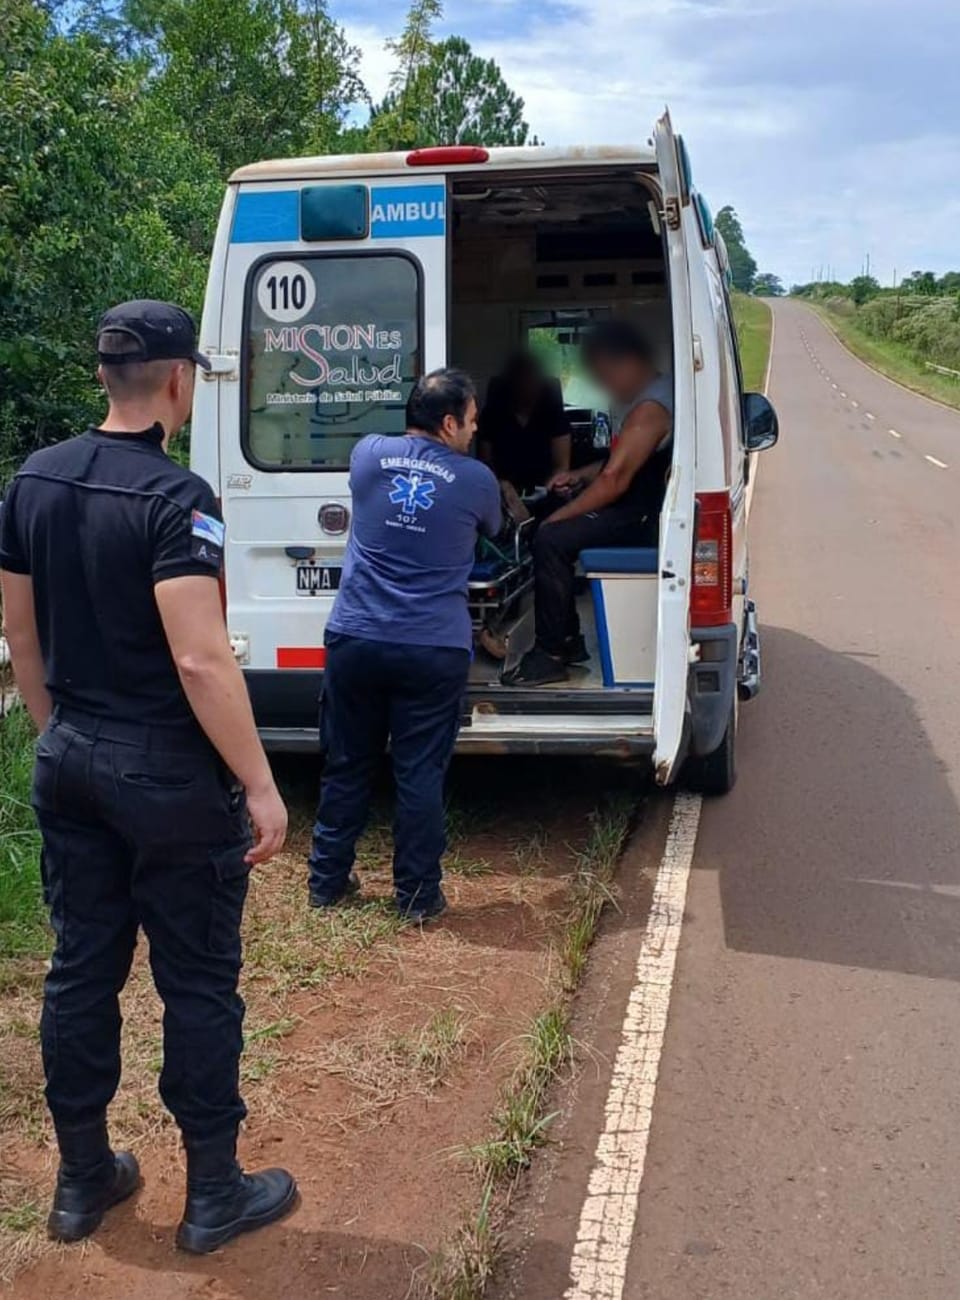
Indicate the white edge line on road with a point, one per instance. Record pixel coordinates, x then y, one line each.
599 1265
598 1268
893 433
939 463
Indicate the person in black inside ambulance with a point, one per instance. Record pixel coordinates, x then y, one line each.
524 435
148 774
612 503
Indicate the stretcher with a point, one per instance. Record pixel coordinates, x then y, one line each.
501 576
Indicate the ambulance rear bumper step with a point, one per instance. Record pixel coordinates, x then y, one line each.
615 735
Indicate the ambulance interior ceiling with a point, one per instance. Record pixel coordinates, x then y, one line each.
526 244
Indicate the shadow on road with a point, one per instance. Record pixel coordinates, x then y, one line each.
844 829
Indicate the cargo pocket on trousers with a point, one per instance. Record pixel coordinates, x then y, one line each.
231 878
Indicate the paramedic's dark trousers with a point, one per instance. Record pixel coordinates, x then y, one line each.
141 828
371 691
555 551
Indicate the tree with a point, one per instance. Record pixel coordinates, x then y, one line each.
924 282
863 288
104 201
393 123
249 79
743 268
443 93
768 286
466 100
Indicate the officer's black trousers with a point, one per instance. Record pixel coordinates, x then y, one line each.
413 696
555 551
142 827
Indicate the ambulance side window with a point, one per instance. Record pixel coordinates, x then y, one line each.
333 344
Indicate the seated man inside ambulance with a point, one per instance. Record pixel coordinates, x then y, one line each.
524 435
611 503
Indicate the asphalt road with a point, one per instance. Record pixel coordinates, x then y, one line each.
805 1140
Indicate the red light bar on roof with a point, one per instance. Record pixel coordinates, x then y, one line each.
452 155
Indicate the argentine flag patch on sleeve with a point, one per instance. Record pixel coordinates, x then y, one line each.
206 537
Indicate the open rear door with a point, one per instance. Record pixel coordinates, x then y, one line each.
677 518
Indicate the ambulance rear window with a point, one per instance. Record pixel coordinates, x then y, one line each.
333 349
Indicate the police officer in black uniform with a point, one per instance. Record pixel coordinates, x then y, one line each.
149 774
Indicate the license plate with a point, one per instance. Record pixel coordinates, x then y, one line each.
317 579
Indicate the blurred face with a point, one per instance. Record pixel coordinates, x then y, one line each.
460 436
622 377
527 388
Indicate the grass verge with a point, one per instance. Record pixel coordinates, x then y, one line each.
891 359
22 927
754 323
462 1268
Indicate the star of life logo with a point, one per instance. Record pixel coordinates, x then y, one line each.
412 492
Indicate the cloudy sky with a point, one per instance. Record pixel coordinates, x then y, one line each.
832 126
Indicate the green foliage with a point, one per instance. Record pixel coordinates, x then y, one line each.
21 904
250 79
754 325
106 199
920 319
466 100
394 124
743 268
863 288
443 93
768 286
119 123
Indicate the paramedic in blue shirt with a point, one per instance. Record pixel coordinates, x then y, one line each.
399 640
612 503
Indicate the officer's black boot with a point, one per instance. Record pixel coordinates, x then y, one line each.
223 1201
91 1179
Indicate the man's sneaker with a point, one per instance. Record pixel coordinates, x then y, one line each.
536 668
575 650
417 915
318 898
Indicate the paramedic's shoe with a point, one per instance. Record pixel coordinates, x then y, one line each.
536 668
350 890
223 1201
91 1180
416 915
575 650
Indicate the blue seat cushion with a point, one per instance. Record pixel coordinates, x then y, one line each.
620 559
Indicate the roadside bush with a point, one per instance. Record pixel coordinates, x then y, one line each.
933 333
841 306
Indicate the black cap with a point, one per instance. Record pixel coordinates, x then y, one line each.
155 331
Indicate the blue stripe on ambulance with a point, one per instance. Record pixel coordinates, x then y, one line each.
396 212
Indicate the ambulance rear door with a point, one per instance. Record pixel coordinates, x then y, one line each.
334 302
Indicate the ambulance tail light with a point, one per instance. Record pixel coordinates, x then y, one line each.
711 596
454 155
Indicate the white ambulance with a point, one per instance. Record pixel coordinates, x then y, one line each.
336 281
